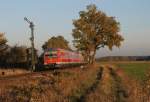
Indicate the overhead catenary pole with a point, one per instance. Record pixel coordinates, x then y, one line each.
32 44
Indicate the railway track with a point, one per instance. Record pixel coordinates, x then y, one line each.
47 72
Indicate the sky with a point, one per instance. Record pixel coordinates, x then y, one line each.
54 17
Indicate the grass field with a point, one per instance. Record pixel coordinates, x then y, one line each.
103 82
134 69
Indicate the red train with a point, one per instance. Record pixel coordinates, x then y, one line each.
54 57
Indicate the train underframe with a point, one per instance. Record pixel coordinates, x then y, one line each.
62 65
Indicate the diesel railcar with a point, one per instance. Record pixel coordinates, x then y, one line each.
56 57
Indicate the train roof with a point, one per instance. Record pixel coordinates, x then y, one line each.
59 49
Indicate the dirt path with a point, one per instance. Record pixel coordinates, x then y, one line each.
93 86
120 92
108 89
116 86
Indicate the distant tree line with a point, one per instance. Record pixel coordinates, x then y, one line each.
124 58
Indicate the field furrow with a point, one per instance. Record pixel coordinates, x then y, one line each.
109 88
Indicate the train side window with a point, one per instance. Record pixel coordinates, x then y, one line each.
51 55
47 55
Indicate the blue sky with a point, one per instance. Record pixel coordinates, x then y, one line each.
54 17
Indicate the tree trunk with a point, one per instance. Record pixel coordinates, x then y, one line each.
93 57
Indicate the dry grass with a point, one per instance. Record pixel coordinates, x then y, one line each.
59 86
75 85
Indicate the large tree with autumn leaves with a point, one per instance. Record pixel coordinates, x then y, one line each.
94 30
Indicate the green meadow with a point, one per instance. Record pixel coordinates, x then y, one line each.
134 69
